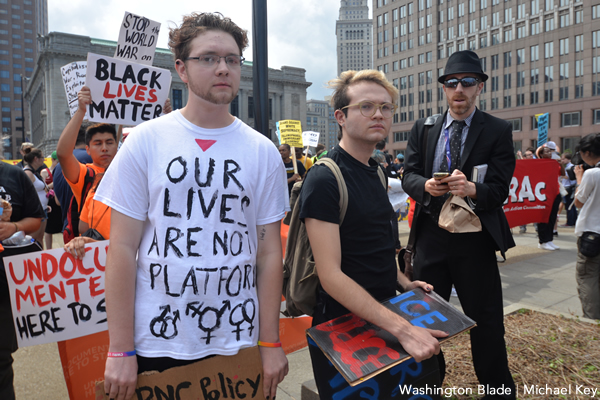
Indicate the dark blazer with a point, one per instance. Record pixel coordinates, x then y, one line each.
489 141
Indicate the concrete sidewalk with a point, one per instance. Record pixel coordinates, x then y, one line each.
531 278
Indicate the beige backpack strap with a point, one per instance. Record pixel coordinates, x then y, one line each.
382 178
341 184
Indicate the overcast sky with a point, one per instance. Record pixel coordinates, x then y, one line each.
301 32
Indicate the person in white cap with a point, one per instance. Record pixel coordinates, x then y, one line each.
545 230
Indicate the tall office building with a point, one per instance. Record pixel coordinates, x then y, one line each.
354 32
542 56
319 118
21 21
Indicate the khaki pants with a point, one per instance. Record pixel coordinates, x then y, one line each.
588 284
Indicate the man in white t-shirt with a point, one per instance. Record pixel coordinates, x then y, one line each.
197 196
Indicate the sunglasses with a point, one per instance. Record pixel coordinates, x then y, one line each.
465 82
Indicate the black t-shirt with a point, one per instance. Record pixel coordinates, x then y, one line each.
289 169
16 188
367 242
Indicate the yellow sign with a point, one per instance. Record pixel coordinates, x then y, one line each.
47 161
291 132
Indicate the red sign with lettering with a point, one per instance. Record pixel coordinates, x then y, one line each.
533 188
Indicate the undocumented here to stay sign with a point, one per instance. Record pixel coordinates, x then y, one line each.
55 297
123 92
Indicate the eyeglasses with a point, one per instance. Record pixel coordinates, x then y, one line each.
368 108
208 60
465 82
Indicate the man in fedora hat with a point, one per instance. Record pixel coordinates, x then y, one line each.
462 139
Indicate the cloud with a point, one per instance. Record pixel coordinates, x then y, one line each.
301 32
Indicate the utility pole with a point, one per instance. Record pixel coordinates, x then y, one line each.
260 67
22 112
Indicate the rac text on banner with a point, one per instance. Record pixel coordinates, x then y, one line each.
533 188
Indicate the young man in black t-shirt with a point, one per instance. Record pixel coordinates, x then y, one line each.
355 260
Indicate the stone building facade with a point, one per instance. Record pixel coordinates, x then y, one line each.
50 113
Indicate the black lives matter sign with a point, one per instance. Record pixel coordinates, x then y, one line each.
125 93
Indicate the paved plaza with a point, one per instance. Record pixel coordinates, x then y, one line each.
531 278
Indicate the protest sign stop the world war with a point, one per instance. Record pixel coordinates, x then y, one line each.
123 92
137 39
56 297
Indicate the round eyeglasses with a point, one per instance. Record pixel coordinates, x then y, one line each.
368 108
208 60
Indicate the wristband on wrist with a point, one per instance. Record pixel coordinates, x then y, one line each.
121 354
16 227
267 344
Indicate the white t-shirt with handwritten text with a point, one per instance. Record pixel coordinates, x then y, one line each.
201 193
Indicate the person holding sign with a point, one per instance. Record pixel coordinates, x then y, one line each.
101 145
306 162
463 139
355 259
292 176
18 195
194 267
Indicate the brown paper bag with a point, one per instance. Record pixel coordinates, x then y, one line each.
457 217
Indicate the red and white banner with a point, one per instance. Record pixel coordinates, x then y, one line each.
533 188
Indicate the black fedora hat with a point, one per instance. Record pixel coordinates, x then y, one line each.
463 62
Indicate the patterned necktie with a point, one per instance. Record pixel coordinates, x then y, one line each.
455 142
436 203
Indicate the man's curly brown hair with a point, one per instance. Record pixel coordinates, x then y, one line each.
196 24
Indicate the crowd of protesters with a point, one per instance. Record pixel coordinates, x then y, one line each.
208 53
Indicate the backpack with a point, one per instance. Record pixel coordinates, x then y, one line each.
72 229
300 279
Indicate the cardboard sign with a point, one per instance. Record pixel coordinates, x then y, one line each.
125 93
55 297
310 138
291 132
542 128
533 188
73 76
137 39
219 377
360 350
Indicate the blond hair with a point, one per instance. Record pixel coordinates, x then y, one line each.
340 86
